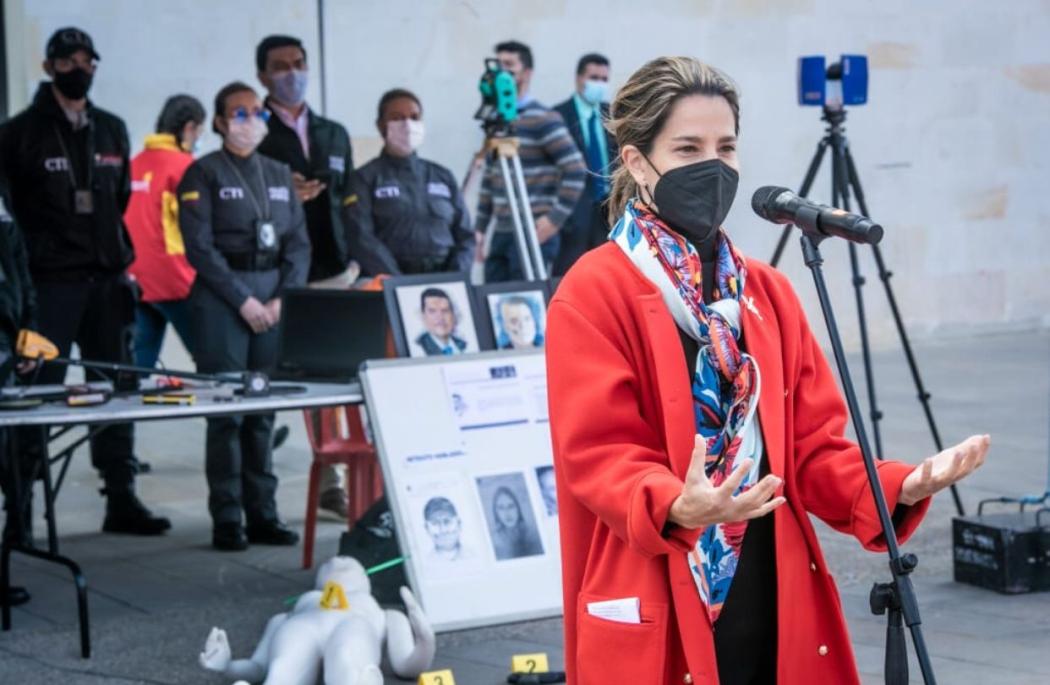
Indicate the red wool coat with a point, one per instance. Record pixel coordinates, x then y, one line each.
622 427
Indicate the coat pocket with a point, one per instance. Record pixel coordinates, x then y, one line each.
611 652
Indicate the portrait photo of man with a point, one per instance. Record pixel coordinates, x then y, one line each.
432 317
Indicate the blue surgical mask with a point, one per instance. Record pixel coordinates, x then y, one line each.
289 87
595 92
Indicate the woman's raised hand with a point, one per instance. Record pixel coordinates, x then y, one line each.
702 503
945 468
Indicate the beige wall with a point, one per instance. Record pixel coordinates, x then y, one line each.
952 149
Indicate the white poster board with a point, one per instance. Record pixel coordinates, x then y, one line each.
465 447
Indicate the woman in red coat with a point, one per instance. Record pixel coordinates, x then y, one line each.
696 423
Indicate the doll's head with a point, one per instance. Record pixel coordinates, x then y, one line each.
346 571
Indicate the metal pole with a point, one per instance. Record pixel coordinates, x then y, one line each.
321 56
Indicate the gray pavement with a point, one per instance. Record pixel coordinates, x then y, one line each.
153 601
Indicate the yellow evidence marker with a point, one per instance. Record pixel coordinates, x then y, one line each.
437 678
333 597
529 663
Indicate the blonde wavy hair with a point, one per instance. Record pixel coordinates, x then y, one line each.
642 105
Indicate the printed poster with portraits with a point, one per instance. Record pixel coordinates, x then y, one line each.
465 448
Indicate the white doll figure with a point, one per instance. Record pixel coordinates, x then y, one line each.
338 624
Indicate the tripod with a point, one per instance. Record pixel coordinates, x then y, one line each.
501 144
844 178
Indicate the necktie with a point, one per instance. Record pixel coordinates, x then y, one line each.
595 163
447 351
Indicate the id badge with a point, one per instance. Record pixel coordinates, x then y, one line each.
83 202
265 236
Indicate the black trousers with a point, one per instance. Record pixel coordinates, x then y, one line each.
577 239
238 453
504 262
99 316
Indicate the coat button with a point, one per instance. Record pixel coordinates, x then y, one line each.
687 679
812 567
785 393
822 650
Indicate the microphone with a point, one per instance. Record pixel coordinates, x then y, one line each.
782 206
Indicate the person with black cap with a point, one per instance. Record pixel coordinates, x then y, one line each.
245 234
67 164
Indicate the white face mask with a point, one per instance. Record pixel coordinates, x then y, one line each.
595 92
403 137
246 134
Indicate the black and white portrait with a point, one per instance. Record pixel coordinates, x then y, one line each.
548 491
444 527
509 516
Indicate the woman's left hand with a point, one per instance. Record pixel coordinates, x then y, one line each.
941 470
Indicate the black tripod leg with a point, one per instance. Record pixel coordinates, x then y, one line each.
884 276
840 192
803 191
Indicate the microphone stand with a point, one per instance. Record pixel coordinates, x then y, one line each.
253 383
897 598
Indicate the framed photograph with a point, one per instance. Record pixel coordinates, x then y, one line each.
514 313
508 512
432 315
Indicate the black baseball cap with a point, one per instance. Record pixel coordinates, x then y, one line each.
65 42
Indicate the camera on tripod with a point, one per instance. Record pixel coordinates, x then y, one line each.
833 86
499 99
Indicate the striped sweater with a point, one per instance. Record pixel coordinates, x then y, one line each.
552 165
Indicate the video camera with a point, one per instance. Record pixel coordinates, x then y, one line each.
499 98
833 87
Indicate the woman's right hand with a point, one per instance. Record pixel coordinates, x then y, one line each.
257 315
702 503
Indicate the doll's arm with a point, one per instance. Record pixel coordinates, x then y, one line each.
410 642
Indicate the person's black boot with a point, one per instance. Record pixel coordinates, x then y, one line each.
16 596
271 533
229 537
280 436
18 530
126 514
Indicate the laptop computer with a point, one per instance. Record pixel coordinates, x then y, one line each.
325 335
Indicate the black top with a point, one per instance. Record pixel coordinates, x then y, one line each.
331 161
45 162
406 215
17 296
222 200
746 629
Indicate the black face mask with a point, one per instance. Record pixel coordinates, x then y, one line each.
74 84
694 199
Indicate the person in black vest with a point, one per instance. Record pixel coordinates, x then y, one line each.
67 165
584 113
319 153
406 214
245 234
17 312
317 150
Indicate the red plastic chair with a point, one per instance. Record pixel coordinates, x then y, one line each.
337 436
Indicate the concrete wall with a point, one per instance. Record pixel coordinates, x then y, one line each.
951 150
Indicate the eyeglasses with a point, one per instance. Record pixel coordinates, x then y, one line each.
243 114
65 64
